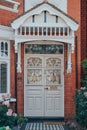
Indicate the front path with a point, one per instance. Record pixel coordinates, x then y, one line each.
45 126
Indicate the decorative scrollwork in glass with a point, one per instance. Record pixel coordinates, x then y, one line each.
43 49
34 76
53 77
53 62
34 62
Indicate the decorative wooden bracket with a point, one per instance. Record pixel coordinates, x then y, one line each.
69 64
19 58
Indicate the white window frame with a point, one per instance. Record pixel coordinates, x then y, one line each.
6 60
13 9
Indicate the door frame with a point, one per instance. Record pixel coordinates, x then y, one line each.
60 55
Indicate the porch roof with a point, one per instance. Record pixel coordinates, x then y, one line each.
72 23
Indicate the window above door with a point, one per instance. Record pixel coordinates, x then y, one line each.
43 49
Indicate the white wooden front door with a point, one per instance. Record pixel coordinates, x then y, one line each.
44 86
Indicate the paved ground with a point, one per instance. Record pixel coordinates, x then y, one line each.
45 126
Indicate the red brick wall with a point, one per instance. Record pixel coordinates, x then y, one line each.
20 78
74 11
69 87
20 85
7 16
84 29
12 69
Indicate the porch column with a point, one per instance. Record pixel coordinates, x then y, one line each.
18 51
19 58
69 64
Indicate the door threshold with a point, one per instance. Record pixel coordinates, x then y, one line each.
47 119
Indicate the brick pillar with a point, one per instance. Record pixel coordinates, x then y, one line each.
70 87
20 85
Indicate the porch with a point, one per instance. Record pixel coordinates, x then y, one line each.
43 25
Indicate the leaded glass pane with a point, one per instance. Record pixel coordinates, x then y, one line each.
2 46
4 49
44 49
3 78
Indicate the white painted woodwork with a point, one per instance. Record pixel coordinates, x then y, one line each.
40 99
13 9
63 32
39 20
24 24
38 12
6 33
19 59
69 63
61 4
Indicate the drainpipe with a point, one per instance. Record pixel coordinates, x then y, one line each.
76 40
16 81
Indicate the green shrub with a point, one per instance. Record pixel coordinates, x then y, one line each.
81 98
81 106
84 64
10 119
22 119
6 120
7 115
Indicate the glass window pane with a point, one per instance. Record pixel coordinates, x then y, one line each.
2 46
3 78
44 49
4 49
6 46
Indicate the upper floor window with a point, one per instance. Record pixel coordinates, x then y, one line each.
4 49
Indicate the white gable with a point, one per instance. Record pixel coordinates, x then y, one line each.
61 4
52 12
39 21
